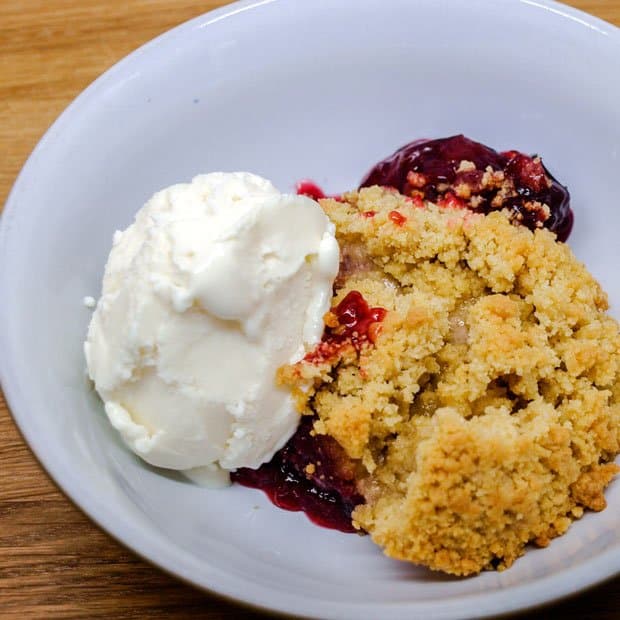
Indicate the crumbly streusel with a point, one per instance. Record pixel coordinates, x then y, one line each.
486 413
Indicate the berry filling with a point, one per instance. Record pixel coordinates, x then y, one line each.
309 188
459 172
352 322
311 473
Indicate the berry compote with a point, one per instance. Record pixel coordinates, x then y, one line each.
351 322
457 171
307 187
312 472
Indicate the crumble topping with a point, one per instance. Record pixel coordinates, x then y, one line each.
484 413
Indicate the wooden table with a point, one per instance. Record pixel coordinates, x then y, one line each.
53 561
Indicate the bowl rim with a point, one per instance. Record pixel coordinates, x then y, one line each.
508 600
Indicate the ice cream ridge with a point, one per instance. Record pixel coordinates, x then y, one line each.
214 286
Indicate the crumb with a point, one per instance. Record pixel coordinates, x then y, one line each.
485 411
588 489
466 166
89 302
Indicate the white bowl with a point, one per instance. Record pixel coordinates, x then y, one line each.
288 89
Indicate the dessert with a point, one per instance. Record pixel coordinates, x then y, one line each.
421 360
188 333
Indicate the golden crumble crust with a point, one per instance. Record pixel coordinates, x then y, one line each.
486 414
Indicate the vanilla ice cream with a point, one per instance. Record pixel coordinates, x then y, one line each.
215 285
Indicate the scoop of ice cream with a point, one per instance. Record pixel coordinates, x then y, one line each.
215 285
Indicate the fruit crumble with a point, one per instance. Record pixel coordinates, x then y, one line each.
467 382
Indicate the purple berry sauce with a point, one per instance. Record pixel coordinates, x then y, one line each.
460 172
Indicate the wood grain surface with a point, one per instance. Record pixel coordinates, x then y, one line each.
54 562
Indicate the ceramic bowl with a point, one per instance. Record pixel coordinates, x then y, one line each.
291 89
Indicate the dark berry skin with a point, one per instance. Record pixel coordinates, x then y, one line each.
435 168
